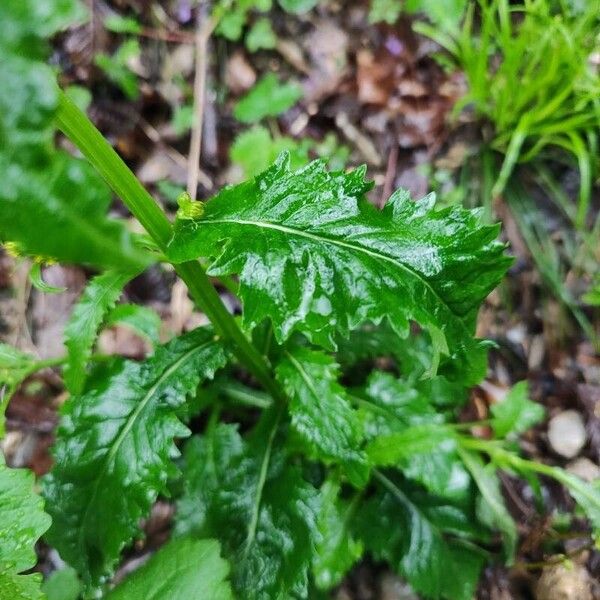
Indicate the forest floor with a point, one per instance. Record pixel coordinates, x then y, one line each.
371 94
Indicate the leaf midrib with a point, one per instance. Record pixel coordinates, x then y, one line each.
336 242
127 428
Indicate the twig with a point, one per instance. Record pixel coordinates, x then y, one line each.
204 27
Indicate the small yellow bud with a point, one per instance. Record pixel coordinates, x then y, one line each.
12 249
188 208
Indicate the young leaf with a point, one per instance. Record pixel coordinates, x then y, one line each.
320 410
181 570
22 523
114 449
495 513
255 149
143 320
336 550
268 98
257 504
313 256
261 35
81 331
423 543
516 413
405 430
37 281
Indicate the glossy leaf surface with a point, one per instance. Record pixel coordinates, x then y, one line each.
182 569
114 449
320 410
337 549
404 429
314 257
247 495
22 523
427 542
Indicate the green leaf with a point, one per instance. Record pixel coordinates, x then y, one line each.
25 25
428 545
261 36
336 550
585 494
182 569
313 256
385 10
321 411
120 24
268 98
62 585
494 511
516 413
247 495
143 320
405 430
298 6
445 15
114 449
116 67
37 281
394 404
98 298
183 119
22 523
45 192
15 366
255 149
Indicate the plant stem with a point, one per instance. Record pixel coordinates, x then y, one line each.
82 132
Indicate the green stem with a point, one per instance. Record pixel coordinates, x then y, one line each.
81 131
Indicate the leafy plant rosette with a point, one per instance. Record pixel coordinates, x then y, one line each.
312 451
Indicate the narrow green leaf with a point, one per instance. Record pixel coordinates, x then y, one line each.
587 496
99 297
336 550
268 98
495 512
182 569
114 449
313 256
320 410
37 281
516 413
22 523
257 504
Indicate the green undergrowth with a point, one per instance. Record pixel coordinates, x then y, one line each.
532 75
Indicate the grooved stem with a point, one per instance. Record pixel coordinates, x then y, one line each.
82 132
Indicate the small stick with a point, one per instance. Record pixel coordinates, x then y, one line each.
205 27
